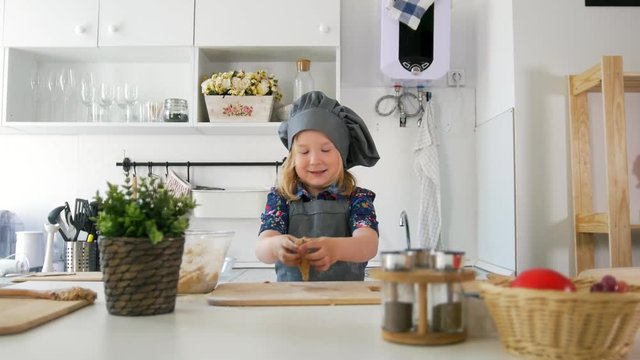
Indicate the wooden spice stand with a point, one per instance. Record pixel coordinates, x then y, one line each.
608 78
422 277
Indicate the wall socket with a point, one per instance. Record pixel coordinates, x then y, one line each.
456 77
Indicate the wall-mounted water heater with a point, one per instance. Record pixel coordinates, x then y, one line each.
421 54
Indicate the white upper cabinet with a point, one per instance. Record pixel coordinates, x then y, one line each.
47 23
146 23
267 23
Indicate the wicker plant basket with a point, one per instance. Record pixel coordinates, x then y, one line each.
140 278
541 324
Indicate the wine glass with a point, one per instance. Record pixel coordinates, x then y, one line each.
36 84
121 101
67 81
63 81
106 100
88 96
131 96
51 86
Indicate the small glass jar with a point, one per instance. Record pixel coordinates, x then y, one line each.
447 307
175 110
398 298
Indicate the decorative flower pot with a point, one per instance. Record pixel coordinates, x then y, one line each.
140 278
230 108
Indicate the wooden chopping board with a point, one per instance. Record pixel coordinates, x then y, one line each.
79 276
297 293
20 314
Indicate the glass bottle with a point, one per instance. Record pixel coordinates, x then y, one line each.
303 83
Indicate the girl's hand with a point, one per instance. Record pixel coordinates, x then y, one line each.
321 252
285 249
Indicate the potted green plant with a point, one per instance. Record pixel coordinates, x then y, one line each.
141 241
240 95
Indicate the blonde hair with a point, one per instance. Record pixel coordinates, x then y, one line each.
289 180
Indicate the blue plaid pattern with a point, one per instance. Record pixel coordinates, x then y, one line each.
409 11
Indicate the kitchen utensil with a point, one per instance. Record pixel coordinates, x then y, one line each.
62 216
69 294
51 230
398 297
82 256
204 253
20 314
396 260
86 276
296 293
446 300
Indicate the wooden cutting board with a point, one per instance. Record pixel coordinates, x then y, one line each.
20 314
297 293
79 276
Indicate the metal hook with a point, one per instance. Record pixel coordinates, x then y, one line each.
166 169
126 165
188 171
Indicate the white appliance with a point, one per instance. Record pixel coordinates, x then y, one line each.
413 57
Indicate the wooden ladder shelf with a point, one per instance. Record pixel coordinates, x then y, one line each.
608 78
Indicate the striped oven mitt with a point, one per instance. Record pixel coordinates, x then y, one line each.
409 11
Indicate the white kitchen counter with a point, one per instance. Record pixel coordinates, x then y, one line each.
200 331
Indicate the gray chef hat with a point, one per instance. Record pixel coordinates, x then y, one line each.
348 132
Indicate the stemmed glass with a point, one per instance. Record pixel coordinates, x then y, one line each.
88 96
106 100
36 84
131 96
67 80
51 85
122 102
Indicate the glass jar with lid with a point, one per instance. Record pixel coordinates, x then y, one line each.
398 298
446 300
175 110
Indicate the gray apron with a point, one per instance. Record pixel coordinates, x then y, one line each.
317 218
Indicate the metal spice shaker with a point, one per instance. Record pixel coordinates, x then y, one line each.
398 298
446 300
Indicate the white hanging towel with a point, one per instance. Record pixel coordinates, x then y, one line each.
427 167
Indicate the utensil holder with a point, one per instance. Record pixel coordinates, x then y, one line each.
82 256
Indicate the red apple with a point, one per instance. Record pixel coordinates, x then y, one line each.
543 279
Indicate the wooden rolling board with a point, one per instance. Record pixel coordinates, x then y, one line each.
297 293
20 314
79 276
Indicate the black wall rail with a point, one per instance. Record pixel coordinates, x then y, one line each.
127 164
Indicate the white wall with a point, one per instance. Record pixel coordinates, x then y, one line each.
551 40
41 172
494 58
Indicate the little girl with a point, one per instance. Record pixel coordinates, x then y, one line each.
317 198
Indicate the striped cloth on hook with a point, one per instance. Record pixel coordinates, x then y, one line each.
176 185
427 167
409 11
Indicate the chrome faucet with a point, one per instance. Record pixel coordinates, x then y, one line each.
404 221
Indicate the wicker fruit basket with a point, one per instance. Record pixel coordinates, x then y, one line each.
542 324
